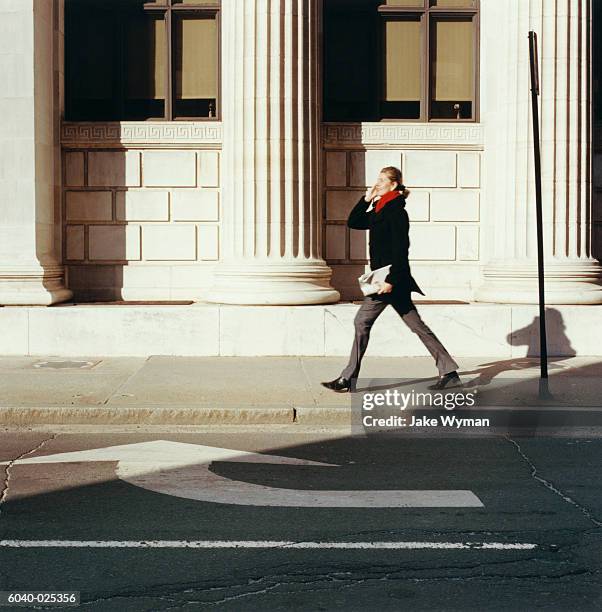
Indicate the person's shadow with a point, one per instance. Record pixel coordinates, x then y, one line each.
559 349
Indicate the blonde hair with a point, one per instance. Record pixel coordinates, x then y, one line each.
394 174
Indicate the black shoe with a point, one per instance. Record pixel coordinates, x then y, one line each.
339 385
447 381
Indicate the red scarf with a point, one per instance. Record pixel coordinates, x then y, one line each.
390 195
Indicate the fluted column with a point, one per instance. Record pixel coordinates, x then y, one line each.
30 272
271 224
573 276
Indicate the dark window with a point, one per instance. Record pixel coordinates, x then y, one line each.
414 60
141 59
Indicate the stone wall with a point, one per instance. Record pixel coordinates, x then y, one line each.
441 166
141 206
141 210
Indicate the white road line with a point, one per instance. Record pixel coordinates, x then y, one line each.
263 544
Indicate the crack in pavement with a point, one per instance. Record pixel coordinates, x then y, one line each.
123 383
290 574
345 579
589 515
9 465
226 599
307 380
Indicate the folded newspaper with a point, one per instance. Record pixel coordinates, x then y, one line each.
371 282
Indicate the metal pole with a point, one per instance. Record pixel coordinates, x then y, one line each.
543 381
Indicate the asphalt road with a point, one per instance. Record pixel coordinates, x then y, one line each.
92 522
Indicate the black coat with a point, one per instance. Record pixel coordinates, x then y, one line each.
389 242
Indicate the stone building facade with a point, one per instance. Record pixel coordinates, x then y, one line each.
249 206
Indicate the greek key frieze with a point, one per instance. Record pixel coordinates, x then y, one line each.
140 133
398 134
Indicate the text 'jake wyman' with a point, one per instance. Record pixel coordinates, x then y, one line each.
422 421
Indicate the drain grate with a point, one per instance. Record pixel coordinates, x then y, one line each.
66 365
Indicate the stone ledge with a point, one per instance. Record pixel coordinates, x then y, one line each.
498 330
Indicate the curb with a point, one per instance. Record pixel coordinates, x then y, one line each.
174 415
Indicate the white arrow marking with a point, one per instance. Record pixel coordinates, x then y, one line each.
182 470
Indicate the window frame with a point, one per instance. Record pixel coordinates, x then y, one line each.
381 24
426 14
169 11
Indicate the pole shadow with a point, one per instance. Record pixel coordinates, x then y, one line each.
559 349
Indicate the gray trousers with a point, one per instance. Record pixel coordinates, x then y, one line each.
365 318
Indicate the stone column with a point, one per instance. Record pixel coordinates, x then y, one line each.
573 276
271 152
29 270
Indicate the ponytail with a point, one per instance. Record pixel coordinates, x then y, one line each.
394 174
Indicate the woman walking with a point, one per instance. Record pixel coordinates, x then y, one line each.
389 244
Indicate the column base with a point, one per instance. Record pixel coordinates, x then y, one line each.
33 285
276 284
566 282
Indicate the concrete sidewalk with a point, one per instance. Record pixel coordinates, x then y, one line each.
223 390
